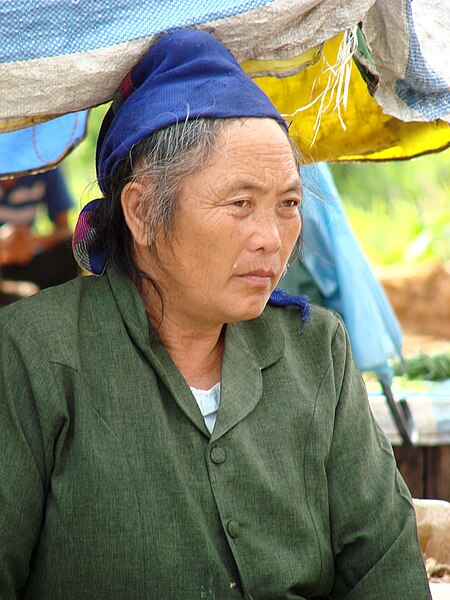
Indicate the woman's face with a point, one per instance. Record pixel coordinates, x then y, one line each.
236 224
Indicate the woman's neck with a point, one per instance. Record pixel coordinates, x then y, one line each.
197 355
195 348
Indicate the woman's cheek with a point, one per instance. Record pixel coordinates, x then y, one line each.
292 231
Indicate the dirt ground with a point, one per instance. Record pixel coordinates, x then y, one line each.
421 300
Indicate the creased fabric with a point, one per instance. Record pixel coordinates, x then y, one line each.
75 55
409 45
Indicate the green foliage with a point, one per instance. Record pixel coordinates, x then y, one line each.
79 166
400 211
434 367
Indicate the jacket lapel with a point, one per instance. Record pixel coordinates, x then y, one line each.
150 346
250 347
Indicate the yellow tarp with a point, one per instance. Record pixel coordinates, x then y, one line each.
369 134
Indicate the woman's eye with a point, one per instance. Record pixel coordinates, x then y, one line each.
291 203
240 203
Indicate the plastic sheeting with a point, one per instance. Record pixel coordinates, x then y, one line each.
66 56
370 134
40 147
334 258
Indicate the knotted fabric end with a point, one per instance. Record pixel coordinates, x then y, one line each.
281 297
84 238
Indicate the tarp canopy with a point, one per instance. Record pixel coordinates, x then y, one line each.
66 56
43 146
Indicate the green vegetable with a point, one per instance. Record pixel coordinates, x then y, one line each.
423 366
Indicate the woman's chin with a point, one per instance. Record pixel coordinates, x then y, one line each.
250 310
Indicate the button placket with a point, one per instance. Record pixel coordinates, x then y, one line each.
221 479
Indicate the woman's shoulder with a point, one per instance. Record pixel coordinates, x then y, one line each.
50 314
320 324
283 330
51 302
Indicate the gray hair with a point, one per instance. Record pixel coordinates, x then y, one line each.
164 161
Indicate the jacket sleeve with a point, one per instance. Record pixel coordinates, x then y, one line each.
26 457
373 525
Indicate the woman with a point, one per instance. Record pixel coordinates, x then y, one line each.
167 435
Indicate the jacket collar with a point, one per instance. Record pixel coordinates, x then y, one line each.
250 347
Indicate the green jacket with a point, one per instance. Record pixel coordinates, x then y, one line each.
111 487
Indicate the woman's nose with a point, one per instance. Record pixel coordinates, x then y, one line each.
266 236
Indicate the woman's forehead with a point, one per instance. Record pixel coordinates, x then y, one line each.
252 127
256 139
248 160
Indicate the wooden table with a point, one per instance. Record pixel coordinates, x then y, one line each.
426 470
425 467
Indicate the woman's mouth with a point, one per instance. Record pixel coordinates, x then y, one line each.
259 277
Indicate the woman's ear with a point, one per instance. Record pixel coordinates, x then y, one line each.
131 199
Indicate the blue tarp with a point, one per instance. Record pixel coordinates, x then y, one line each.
339 268
48 28
38 147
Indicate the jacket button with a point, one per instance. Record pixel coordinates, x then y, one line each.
233 528
218 455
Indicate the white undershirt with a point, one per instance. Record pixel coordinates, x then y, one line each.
208 402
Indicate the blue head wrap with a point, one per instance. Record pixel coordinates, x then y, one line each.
185 75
